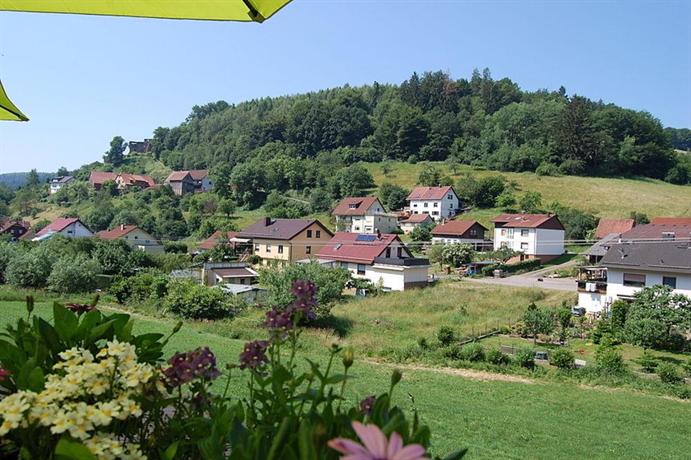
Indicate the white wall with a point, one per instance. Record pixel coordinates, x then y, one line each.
76 230
593 302
549 242
371 224
394 277
444 208
450 240
616 288
531 241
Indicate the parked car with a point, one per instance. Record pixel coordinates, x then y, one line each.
577 311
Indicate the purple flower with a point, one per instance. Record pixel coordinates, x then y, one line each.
375 446
254 354
196 364
279 320
4 373
80 308
367 404
305 299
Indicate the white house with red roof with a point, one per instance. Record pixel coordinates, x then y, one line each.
70 227
414 220
134 236
382 259
461 232
439 202
535 236
363 214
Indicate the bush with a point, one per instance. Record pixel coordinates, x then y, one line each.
140 287
191 300
669 373
647 361
495 356
525 358
454 351
446 336
562 358
254 259
473 352
525 265
74 274
687 367
29 270
609 360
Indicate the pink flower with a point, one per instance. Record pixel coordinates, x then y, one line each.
375 446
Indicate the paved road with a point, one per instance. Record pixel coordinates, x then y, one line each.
531 279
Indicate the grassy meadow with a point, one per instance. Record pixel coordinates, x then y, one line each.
493 418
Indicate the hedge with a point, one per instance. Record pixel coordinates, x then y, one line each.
529 264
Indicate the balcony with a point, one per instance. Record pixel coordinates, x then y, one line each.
599 287
407 262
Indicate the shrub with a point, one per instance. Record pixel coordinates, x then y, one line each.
562 358
669 373
495 356
609 360
525 358
446 335
29 270
473 352
647 361
74 274
687 367
254 259
191 300
454 351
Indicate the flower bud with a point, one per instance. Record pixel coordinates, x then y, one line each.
348 357
177 327
396 377
30 303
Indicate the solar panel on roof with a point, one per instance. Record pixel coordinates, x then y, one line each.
368 238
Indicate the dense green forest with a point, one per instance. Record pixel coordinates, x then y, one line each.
478 121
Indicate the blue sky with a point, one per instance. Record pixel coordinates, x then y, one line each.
83 80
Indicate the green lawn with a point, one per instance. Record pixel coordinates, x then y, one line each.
494 419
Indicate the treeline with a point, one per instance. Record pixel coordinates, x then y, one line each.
478 121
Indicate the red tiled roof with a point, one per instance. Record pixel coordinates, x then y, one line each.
354 206
345 247
429 193
213 240
6 224
177 176
57 225
671 220
528 221
618 226
456 227
198 174
117 232
133 179
655 231
237 272
279 229
101 177
416 218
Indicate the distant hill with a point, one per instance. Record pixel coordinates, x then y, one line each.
17 179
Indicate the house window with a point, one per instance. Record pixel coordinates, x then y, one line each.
634 280
524 245
352 205
449 197
503 232
242 280
280 249
415 205
436 204
670 281
360 269
668 235
399 251
435 213
388 252
268 248
256 248
473 232
308 249
309 233
319 233
524 232
426 204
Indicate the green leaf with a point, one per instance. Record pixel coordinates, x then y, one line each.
171 451
305 442
88 322
36 379
49 334
277 442
65 321
456 455
100 331
72 450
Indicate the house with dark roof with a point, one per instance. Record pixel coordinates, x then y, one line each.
202 180
382 259
629 266
70 227
13 227
181 182
59 182
462 232
677 229
439 202
134 236
216 273
363 215
534 236
409 223
286 240
613 226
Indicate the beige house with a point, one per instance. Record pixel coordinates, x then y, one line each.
137 238
363 215
286 240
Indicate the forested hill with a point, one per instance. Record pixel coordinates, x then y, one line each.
479 121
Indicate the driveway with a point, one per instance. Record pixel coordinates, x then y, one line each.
531 279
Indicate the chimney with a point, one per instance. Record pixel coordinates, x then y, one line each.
267 221
122 226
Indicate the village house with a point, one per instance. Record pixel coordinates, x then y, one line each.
630 266
661 229
534 236
439 202
202 180
137 238
286 240
382 259
613 226
461 232
215 273
124 181
363 215
98 178
59 182
409 223
13 227
181 182
218 237
70 227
